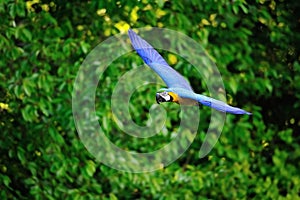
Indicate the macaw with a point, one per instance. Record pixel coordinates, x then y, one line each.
179 90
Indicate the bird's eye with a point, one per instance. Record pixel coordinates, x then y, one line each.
164 94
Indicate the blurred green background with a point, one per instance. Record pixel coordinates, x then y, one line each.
256 46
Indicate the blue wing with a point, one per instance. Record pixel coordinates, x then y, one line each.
156 62
173 79
207 101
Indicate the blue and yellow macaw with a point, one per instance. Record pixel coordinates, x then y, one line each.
179 90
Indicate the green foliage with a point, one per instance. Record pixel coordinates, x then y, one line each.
255 45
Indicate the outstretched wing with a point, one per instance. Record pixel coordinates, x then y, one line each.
208 101
220 105
156 62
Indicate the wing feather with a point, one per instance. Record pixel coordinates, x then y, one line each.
208 101
157 63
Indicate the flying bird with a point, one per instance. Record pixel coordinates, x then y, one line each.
179 90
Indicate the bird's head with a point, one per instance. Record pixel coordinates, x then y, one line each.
163 97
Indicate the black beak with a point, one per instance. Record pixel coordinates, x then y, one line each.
159 99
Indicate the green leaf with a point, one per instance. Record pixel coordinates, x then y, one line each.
28 86
21 155
26 34
235 9
6 180
286 136
161 3
20 9
12 10
112 196
244 8
233 85
90 168
56 136
85 47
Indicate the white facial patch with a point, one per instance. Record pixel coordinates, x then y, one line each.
166 96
